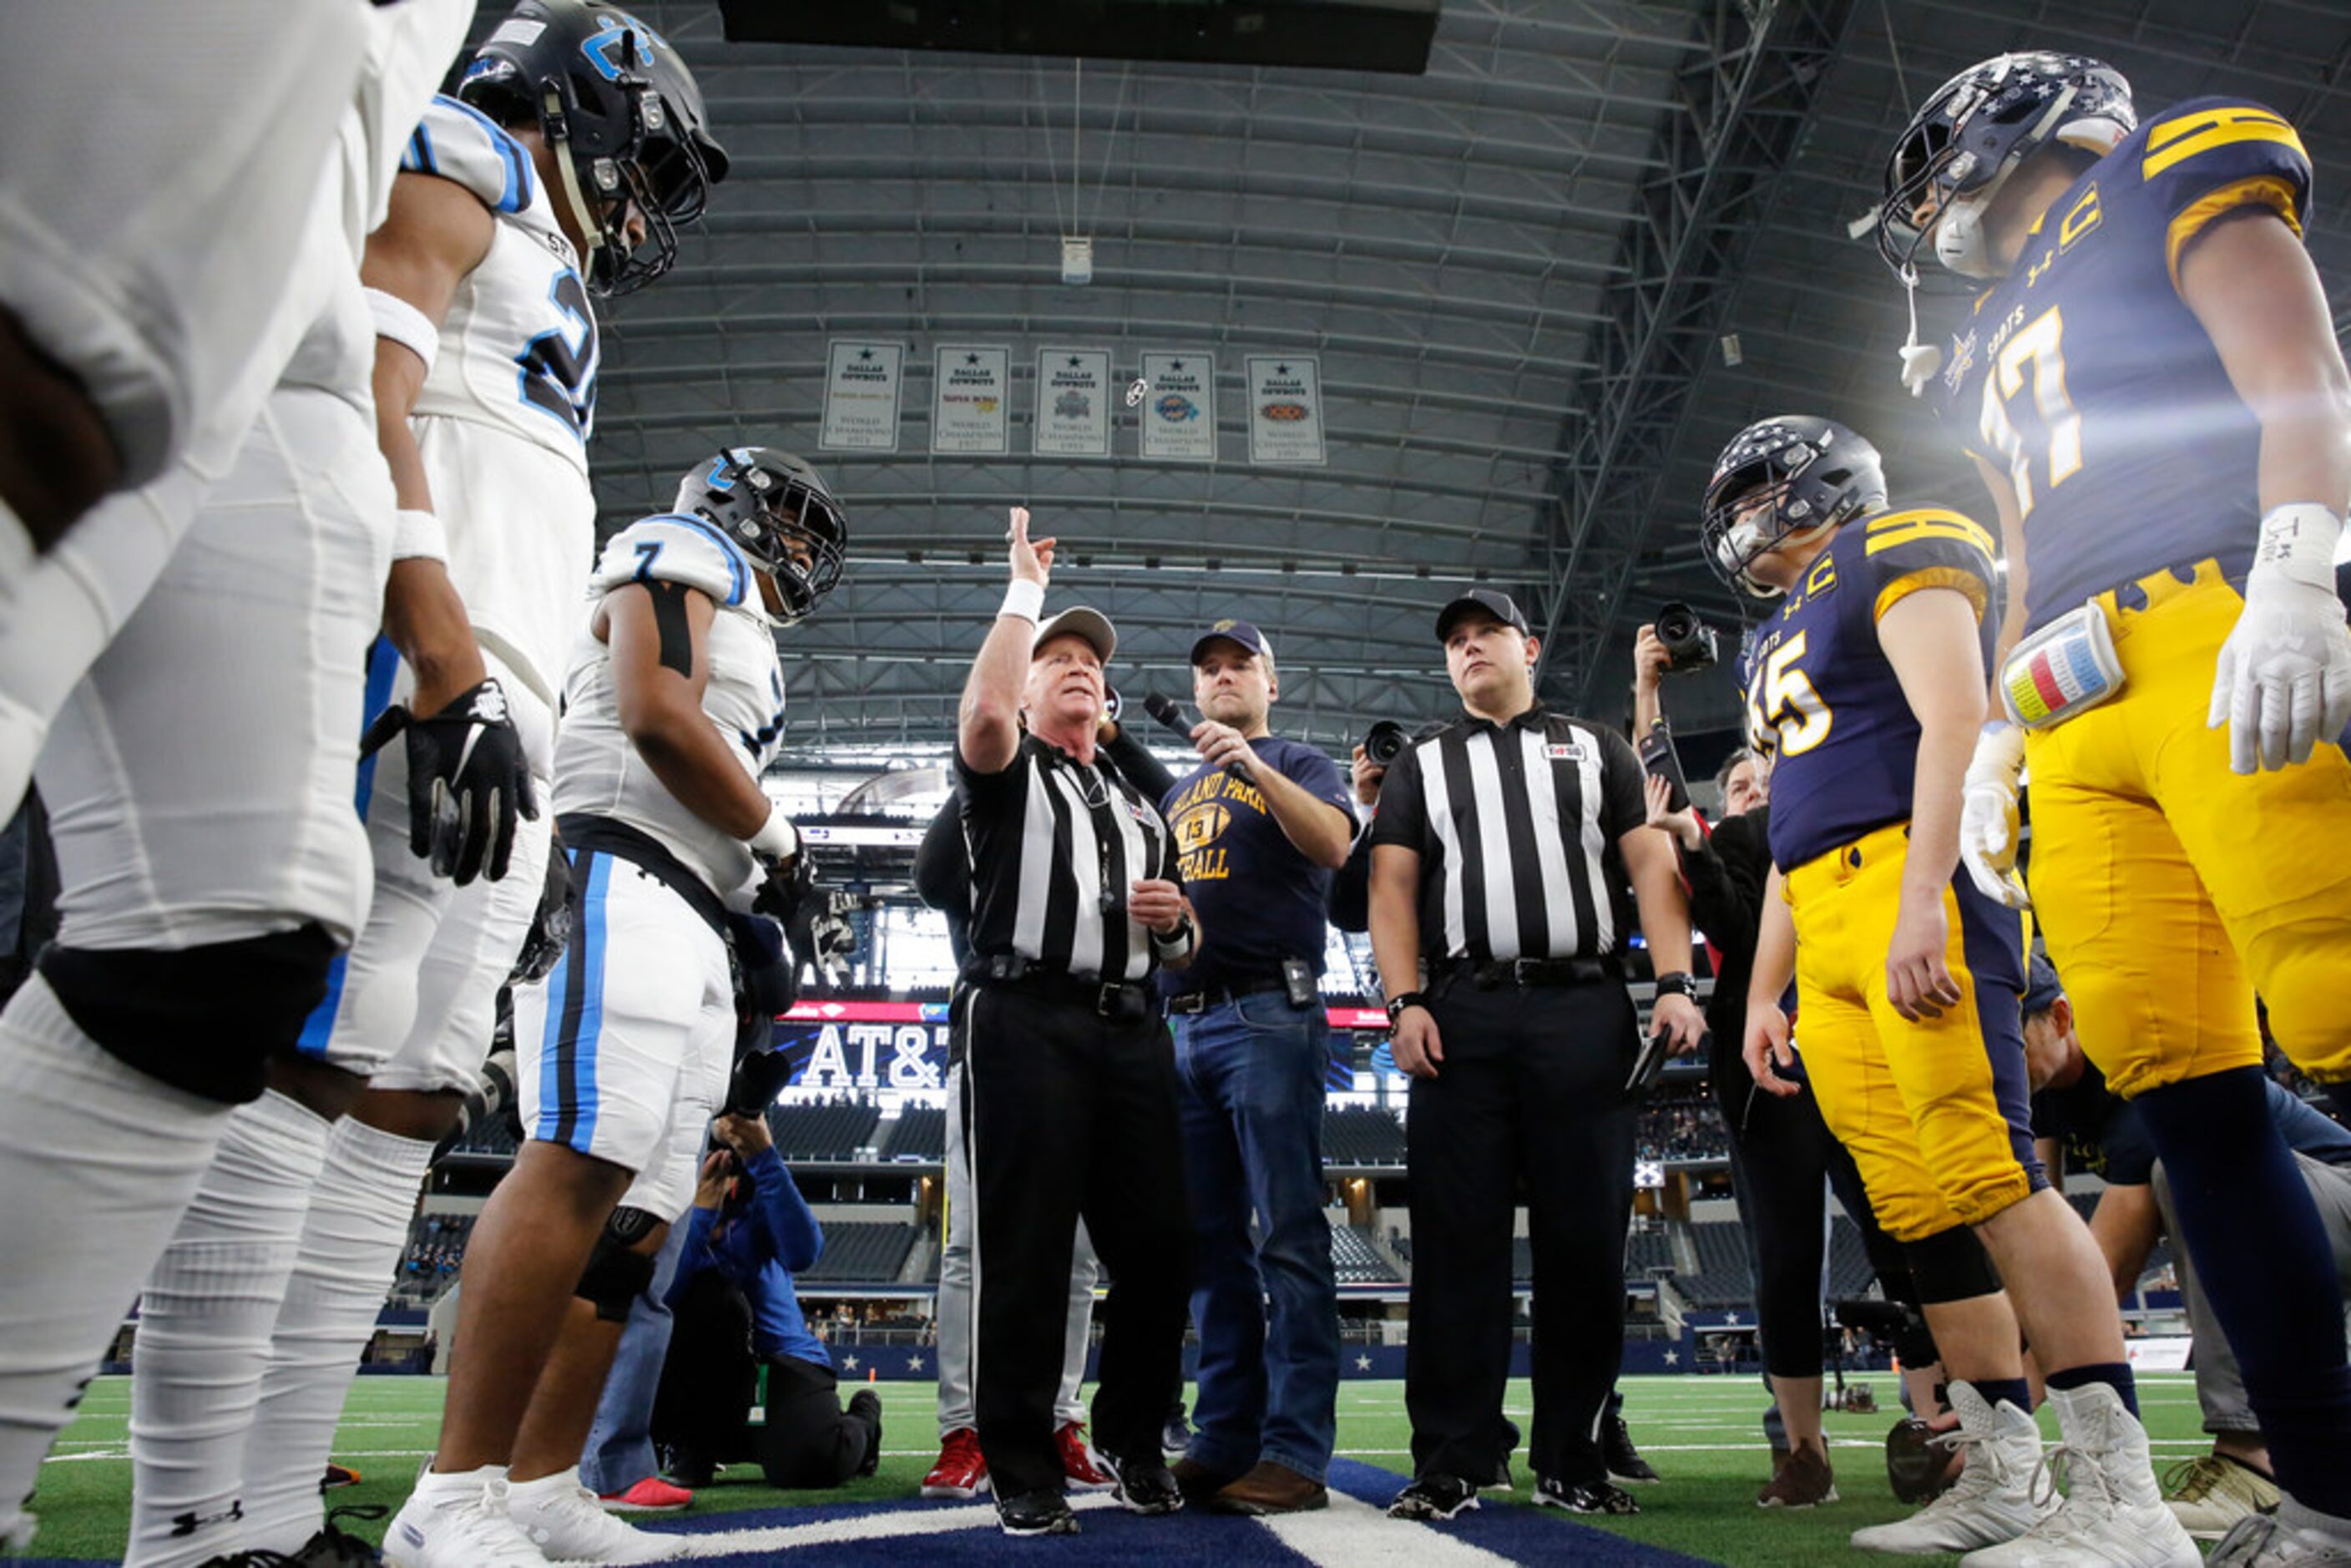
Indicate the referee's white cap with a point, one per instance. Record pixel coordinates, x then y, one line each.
1080 620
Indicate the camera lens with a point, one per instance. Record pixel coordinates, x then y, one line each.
1384 743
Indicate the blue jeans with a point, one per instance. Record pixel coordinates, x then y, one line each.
620 1450
1251 1072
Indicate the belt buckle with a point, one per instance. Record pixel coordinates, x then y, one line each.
1107 999
1523 970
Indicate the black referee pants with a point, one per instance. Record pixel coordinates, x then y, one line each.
1069 1114
1531 1089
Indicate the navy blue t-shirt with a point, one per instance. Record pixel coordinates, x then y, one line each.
1259 898
2105 1135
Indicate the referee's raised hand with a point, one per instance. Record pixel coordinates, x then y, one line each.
1032 561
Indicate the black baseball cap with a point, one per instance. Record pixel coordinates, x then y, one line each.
1492 601
1231 631
2042 986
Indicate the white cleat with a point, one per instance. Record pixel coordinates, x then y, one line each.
1991 1502
2294 1537
458 1522
2114 1516
567 1523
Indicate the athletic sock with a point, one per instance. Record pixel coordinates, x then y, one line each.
352 1241
97 1162
2261 1255
2114 1375
1994 1391
204 1334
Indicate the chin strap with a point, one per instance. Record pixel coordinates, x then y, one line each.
1920 361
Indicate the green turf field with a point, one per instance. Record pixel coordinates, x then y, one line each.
1701 1433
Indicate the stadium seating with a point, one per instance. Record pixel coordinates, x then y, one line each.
1362 1136
919 1133
436 1245
833 1132
1722 1280
862 1252
1356 1260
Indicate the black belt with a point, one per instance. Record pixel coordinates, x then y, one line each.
1527 972
590 831
1122 1001
1217 996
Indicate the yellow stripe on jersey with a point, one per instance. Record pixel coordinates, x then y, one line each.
2176 141
1908 583
2261 190
1901 528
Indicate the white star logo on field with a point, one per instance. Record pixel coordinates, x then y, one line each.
1673 1358
1363 1363
850 1362
914 1364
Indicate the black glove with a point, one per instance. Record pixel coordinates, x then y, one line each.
787 885
468 777
767 981
550 924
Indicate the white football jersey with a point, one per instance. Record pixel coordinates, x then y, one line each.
596 768
514 388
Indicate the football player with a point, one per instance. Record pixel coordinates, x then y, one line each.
575 149
672 708
1865 684
205 887
2150 386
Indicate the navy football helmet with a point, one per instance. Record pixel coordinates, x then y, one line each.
1815 474
779 512
625 117
1973 133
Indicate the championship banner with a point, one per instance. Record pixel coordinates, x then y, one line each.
1179 407
861 396
971 401
1072 402
1285 416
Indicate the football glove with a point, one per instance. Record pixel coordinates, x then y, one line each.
1989 831
467 778
2283 681
787 887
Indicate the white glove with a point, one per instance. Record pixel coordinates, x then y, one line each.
777 838
2284 683
1988 817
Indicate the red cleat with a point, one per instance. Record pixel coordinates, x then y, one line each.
961 1473
651 1495
1079 1463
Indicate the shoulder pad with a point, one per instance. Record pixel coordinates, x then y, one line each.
457 141
675 547
2210 155
1926 546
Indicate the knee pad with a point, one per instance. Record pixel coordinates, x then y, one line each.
203 1020
617 1273
1951 1266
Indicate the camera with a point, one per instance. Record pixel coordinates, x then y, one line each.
1385 742
1690 642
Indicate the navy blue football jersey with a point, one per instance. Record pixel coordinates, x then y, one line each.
1822 698
2087 379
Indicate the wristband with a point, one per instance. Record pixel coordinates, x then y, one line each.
777 838
1177 941
1396 1004
405 325
1678 983
417 535
1024 600
2298 542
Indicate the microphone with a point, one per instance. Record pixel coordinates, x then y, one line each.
1163 708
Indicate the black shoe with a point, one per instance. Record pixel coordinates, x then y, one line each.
1624 1461
1175 1433
866 1405
1036 1513
1196 1481
690 1468
1434 1497
1583 1497
1145 1484
330 1548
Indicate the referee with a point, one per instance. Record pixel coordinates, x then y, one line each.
1496 846
1067 1080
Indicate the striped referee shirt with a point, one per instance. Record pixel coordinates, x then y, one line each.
1054 845
1514 824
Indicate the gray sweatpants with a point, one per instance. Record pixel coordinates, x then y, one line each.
2220 1386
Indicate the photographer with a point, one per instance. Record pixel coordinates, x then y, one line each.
1780 1150
736 1312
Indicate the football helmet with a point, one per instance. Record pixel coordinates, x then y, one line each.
778 511
1966 140
1814 472
623 116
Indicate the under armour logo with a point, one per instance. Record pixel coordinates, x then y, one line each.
190 1522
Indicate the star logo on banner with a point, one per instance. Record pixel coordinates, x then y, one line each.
1075 362
1363 1363
914 1364
850 1362
971 358
1731 1320
865 354
1281 370
1673 1358
1175 364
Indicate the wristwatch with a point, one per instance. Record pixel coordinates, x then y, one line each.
1177 940
1678 983
1396 1004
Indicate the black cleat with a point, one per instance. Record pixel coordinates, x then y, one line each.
1145 1484
1624 1461
1431 1498
866 1405
1036 1513
1583 1497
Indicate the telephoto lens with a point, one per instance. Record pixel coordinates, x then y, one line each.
1385 742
